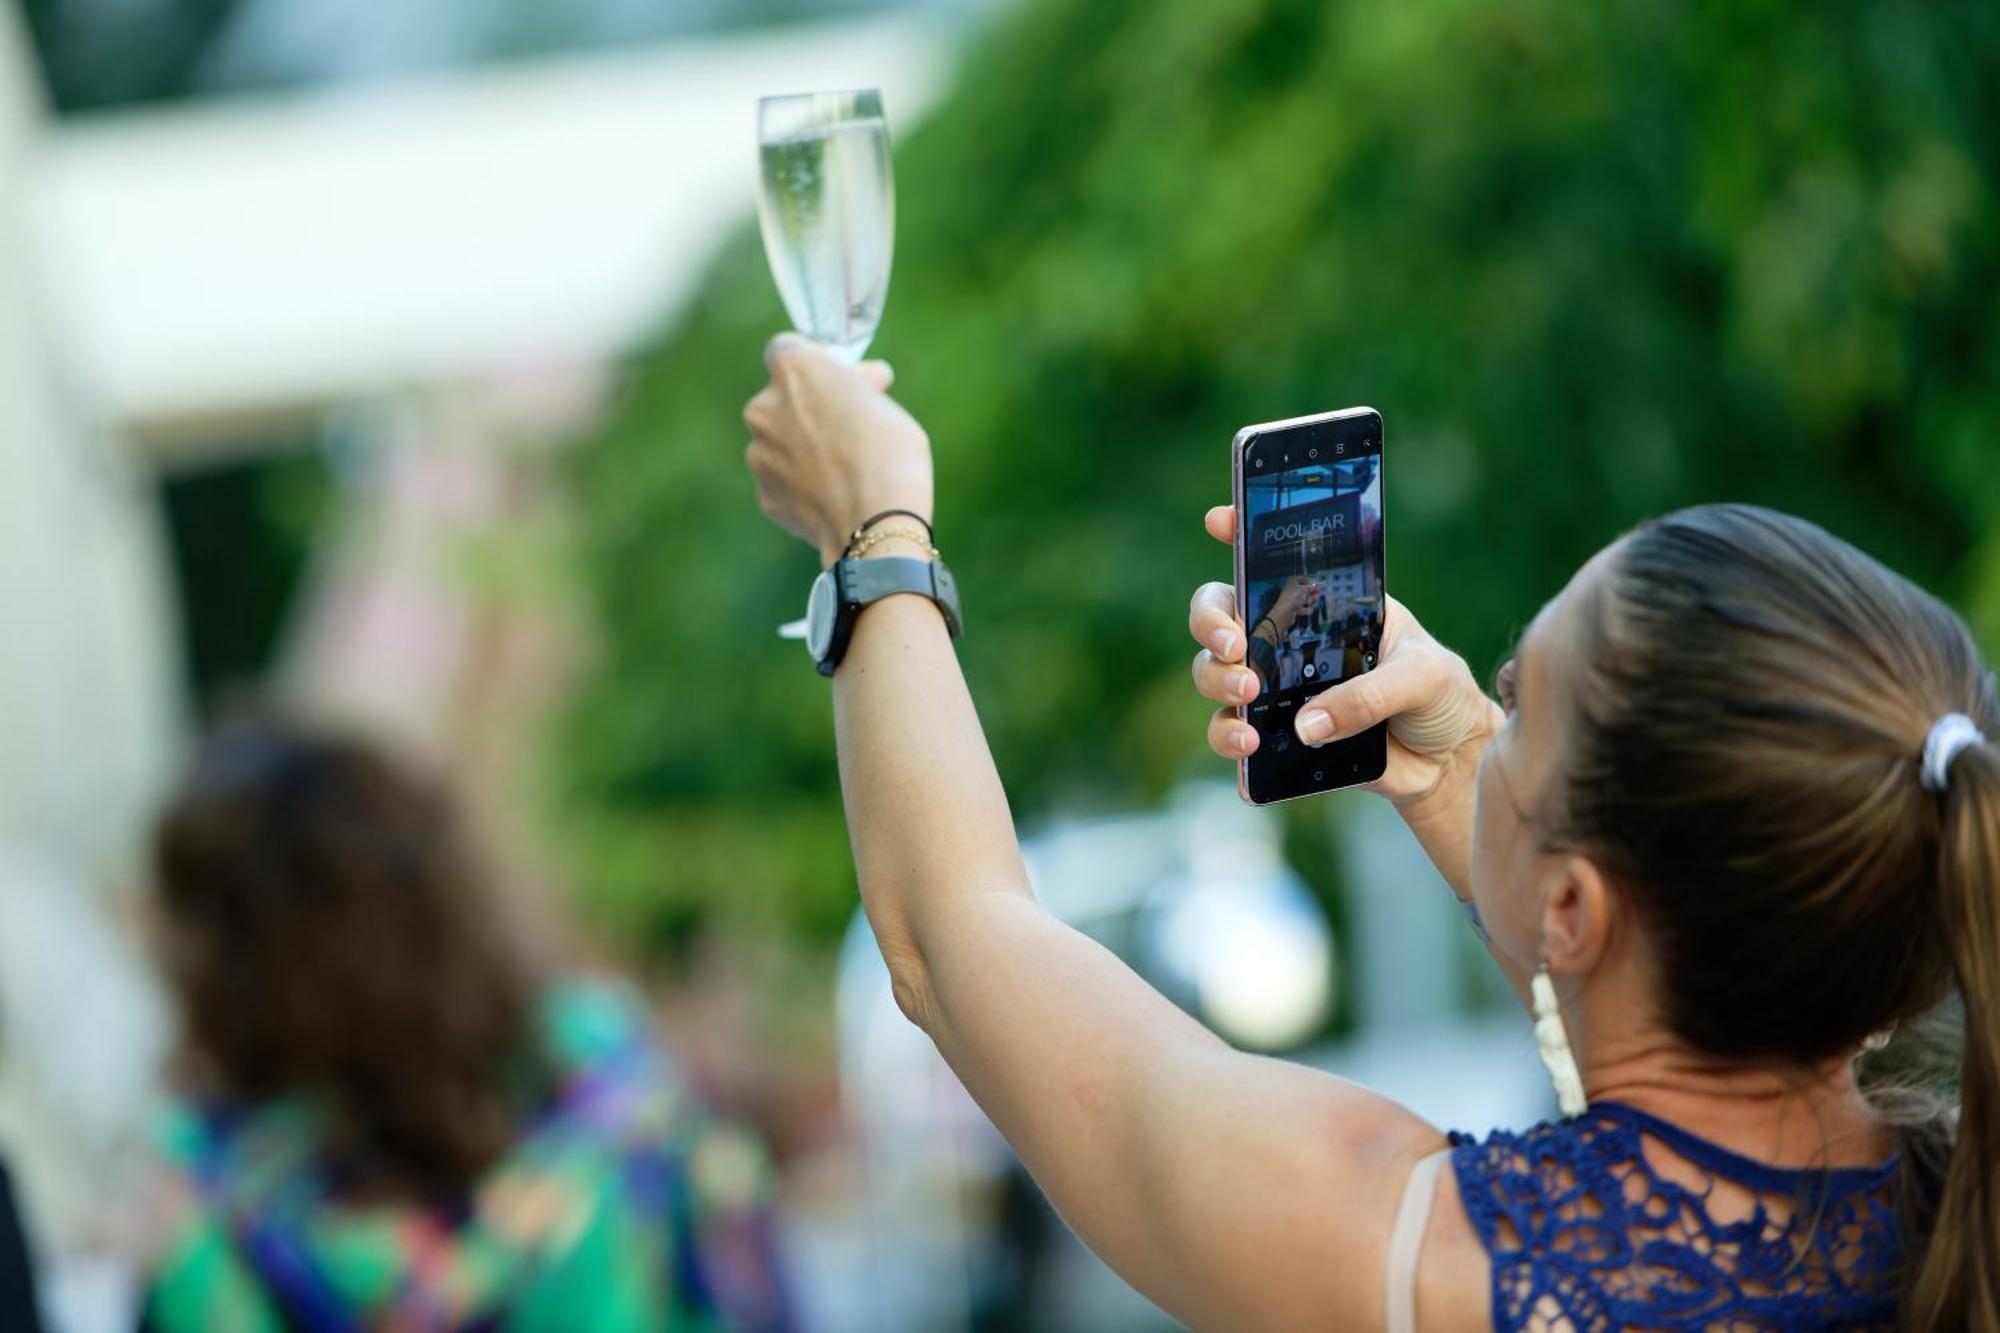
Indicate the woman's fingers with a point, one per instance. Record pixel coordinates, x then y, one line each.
1230 736
1212 620
788 351
761 413
1224 682
792 354
1403 682
1218 670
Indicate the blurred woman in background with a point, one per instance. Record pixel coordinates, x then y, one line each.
1736 815
390 1120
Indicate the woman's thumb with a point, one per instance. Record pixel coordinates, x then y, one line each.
880 374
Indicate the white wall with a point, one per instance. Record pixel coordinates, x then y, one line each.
87 718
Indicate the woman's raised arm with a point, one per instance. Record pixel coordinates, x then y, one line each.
1235 1191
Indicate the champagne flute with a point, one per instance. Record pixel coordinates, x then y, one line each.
827 206
828 210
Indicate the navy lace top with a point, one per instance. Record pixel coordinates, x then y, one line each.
1620 1220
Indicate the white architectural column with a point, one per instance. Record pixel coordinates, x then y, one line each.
88 708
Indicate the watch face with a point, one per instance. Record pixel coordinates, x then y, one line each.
819 616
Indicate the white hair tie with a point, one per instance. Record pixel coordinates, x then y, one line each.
1951 735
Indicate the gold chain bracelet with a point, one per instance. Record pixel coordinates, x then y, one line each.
861 546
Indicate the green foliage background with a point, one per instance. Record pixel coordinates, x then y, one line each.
1592 259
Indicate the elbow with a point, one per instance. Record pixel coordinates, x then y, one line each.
910 983
913 997
927 952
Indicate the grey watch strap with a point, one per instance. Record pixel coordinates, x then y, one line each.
865 581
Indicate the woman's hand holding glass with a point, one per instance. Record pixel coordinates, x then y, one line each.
829 448
1297 597
1439 719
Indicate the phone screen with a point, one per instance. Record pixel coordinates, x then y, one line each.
1311 584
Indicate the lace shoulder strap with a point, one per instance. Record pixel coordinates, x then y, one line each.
1406 1240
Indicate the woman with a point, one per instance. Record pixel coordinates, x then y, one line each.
389 1122
1733 816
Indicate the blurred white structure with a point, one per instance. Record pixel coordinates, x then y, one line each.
87 716
1229 930
273 254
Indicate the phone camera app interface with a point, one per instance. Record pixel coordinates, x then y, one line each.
1313 574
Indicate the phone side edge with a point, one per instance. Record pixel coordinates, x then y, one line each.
1238 448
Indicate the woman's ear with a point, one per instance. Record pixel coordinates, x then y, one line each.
1577 917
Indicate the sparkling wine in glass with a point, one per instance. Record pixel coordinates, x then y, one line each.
828 209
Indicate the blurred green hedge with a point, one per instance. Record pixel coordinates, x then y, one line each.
1592 259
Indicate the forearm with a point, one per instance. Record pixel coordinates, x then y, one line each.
928 818
1441 816
1442 821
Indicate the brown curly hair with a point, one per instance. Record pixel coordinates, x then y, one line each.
327 932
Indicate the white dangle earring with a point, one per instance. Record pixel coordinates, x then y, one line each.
1552 1044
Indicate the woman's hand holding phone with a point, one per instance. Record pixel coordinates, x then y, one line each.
1439 719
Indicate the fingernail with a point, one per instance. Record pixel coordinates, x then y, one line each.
1223 641
1247 686
1246 741
1315 727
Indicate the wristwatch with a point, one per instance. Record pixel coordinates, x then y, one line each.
840 592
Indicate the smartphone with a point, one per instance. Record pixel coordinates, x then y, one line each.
1309 587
